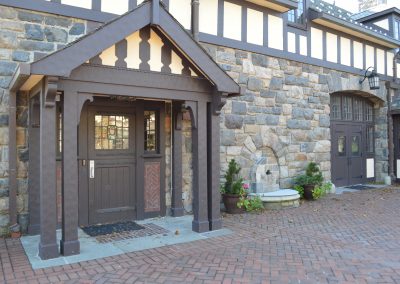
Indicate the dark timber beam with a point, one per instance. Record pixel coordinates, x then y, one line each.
69 244
198 110
48 247
177 205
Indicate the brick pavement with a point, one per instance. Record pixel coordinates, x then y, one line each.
350 238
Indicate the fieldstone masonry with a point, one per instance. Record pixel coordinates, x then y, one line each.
284 114
286 110
24 36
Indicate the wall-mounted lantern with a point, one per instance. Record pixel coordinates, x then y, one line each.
373 79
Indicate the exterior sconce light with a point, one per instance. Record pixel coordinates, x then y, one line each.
373 79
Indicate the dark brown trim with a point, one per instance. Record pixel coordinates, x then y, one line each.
12 157
48 247
176 201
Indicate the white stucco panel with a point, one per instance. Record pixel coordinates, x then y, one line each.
345 51
331 47
118 7
275 32
291 42
232 21
108 57
303 45
317 49
78 3
182 11
208 22
369 56
358 55
255 27
380 61
384 24
132 58
155 52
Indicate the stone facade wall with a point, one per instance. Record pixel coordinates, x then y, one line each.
24 36
286 109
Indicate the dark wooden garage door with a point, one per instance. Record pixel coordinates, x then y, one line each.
352 134
112 163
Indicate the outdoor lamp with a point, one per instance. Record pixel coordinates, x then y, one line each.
373 79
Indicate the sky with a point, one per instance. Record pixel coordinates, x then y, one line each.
352 5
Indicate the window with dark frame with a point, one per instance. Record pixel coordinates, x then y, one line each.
347 108
336 108
297 15
151 131
396 29
111 132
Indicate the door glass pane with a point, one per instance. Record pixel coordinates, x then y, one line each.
111 132
150 128
355 145
342 146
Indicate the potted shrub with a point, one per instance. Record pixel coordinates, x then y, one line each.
233 190
312 180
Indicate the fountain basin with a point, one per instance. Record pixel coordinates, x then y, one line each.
279 199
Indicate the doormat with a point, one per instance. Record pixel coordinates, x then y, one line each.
98 230
360 187
147 230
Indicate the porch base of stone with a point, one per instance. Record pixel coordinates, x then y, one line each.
280 199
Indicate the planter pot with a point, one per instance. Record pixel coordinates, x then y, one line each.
308 192
15 235
230 202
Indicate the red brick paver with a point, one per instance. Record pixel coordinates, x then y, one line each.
351 238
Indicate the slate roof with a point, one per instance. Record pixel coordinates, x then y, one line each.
342 14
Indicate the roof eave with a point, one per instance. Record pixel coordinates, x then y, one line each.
352 29
21 75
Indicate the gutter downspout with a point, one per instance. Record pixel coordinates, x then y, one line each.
195 19
12 161
390 118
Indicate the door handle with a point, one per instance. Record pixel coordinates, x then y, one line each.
91 169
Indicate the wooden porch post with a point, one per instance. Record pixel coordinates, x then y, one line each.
214 195
34 169
48 247
177 205
69 244
200 207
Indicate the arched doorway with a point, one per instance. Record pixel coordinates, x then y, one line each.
352 136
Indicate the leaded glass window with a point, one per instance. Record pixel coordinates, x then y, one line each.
297 15
342 145
111 132
358 110
347 108
369 112
150 128
335 108
355 145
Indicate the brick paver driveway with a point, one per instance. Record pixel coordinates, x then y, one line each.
353 238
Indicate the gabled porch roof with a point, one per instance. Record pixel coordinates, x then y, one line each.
62 62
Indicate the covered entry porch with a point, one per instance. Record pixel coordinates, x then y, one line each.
111 138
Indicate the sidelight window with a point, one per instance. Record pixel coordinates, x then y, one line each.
150 128
111 132
370 139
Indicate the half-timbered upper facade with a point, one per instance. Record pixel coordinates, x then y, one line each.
126 109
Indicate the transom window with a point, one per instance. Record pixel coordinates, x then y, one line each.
351 108
111 132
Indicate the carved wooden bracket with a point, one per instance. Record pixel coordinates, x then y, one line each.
192 108
50 87
218 102
82 99
177 115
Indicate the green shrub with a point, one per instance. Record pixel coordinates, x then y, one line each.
251 204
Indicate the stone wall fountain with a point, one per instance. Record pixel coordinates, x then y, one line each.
265 183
